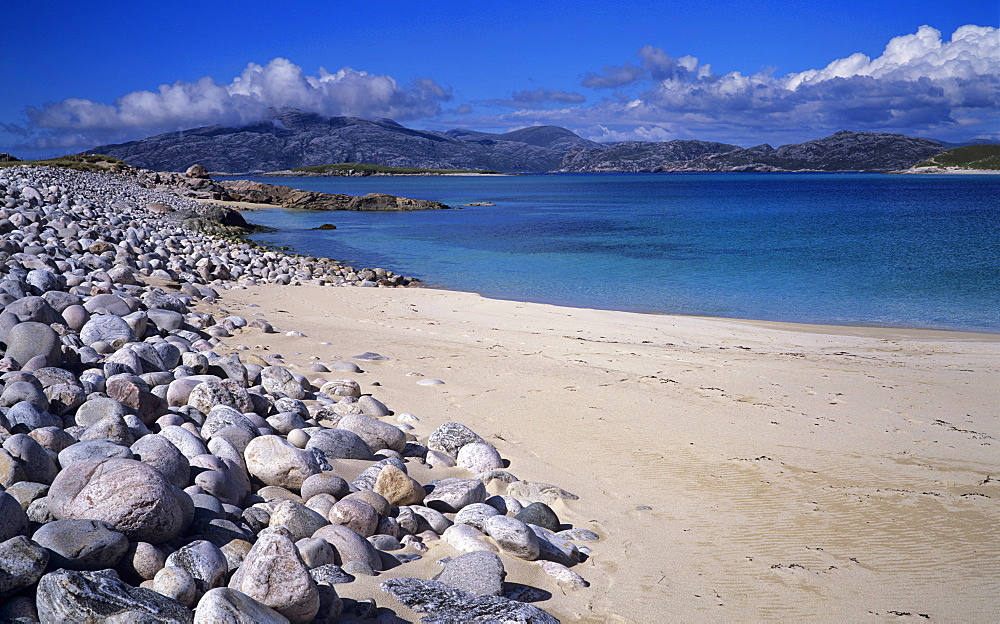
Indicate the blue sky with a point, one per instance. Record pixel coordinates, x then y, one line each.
75 75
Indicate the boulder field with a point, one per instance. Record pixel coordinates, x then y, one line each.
144 476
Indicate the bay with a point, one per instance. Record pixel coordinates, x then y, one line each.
851 249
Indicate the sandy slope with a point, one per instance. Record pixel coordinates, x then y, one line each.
791 472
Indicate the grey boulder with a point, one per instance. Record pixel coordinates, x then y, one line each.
70 596
133 497
82 544
444 604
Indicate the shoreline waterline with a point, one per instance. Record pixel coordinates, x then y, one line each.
845 249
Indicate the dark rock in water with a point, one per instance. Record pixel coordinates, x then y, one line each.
326 226
82 544
84 597
446 605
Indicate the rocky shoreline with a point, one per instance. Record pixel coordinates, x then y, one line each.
146 477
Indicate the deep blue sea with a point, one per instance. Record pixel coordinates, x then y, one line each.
851 249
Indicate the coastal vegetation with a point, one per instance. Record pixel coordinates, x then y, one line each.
89 162
981 157
368 169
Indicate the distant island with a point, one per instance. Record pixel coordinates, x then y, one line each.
300 143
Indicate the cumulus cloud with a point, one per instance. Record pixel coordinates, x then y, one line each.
919 81
76 122
655 65
921 84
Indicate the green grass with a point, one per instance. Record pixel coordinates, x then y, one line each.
90 162
382 169
968 157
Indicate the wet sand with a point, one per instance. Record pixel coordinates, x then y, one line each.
791 472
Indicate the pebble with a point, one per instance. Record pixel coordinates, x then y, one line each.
513 536
135 442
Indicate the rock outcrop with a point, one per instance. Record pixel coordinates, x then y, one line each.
288 197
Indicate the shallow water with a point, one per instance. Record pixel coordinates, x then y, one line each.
858 249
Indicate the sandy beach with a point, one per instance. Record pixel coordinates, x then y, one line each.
736 470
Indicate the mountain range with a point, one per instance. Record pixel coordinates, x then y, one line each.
292 138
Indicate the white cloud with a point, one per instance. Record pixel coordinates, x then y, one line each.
920 84
278 84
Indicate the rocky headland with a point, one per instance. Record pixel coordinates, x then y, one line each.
149 473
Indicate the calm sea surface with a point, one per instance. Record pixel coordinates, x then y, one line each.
857 249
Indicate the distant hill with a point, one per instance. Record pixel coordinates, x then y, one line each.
981 157
843 151
292 139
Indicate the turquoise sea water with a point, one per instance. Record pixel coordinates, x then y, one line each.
855 249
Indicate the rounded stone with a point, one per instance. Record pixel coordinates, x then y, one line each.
466 538
300 520
451 495
340 444
141 562
477 457
341 388
204 561
475 515
274 574
23 563
324 483
349 546
110 329
277 379
158 452
228 606
356 515
398 487
82 544
136 499
450 437
276 462
177 584
513 536
27 340
377 435
539 514
479 573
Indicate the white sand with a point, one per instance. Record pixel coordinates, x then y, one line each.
793 472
